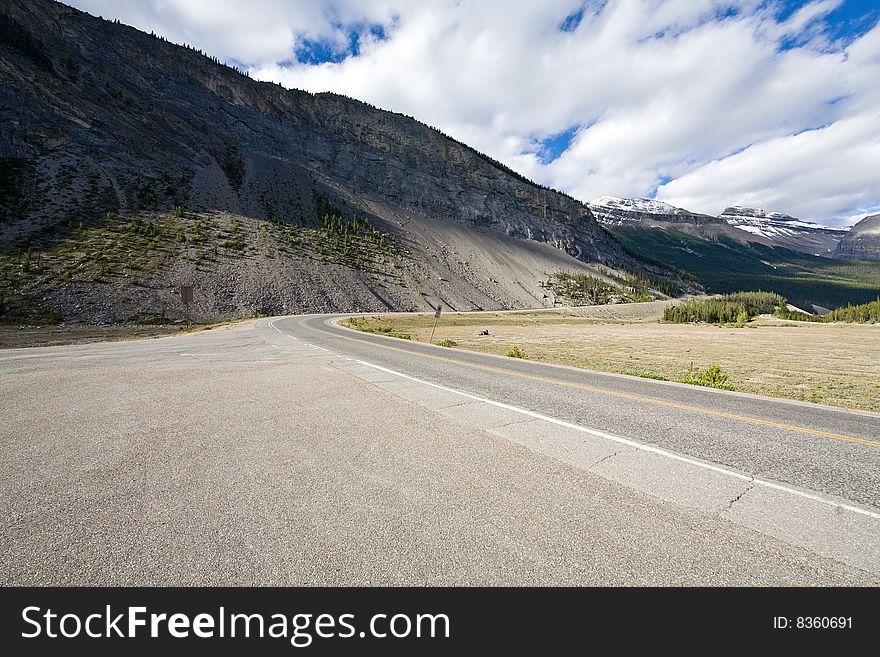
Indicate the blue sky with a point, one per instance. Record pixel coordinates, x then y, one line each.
330 50
701 103
849 20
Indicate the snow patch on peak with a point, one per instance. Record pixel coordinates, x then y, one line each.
736 211
768 224
648 205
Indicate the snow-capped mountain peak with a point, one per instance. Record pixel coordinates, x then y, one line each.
744 225
768 224
616 211
647 205
737 211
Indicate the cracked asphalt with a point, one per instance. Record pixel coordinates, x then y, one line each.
255 456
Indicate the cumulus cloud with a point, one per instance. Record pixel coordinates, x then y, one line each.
244 32
785 172
703 103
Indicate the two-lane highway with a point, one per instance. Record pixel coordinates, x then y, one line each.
804 474
289 451
833 451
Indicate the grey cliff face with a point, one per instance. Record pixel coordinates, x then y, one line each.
100 117
863 240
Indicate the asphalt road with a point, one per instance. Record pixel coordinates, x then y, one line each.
289 452
820 448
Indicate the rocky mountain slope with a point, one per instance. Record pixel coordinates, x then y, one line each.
744 225
784 230
130 165
862 242
615 211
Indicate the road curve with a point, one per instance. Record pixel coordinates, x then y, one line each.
832 451
288 451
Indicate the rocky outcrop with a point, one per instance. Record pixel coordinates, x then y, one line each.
99 120
100 117
862 242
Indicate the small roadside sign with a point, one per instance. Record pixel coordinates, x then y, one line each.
186 296
437 312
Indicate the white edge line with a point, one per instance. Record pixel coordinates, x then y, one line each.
634 444
624 441
333 321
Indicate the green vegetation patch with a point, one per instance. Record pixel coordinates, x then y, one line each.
99 251
741 307
724 265
865 313
364 324
736 308
580 289
712 377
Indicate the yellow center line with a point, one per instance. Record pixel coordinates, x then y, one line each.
603 391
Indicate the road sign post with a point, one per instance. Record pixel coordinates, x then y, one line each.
186 296
437 312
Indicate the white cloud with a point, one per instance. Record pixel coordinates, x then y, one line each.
683 91
246 32
788 171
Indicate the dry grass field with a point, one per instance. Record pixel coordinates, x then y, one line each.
836 364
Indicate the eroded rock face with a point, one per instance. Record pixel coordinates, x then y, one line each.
99 120
98 116
863 240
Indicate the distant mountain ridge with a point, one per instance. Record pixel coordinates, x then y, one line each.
750 224
611 207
